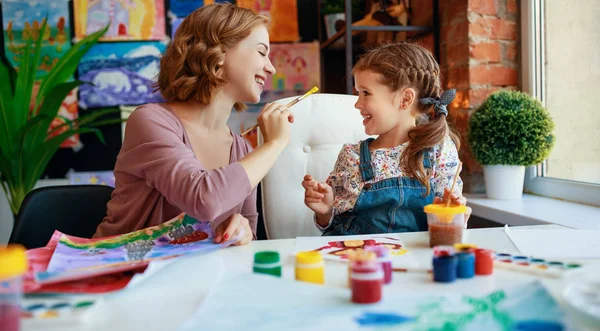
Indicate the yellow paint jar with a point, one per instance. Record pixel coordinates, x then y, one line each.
310 267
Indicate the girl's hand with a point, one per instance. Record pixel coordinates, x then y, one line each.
318 196
456 199
235 226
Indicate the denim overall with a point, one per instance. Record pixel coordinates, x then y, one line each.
391 205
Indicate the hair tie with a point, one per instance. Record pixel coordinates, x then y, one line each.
439 104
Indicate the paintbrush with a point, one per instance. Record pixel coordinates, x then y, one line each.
293 102
454 182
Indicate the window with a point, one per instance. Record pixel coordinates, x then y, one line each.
560 51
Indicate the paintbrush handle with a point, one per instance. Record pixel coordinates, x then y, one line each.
291 103
458 169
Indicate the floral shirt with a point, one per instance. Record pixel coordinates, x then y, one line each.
347 183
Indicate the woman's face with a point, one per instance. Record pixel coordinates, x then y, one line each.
247 66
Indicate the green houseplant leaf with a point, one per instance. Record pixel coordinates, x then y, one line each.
511 128
27 143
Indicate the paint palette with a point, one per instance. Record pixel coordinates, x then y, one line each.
57 311
538 266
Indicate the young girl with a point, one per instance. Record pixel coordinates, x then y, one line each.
381 185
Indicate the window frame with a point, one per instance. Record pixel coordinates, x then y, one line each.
532 78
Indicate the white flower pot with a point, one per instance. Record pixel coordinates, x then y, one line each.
504 182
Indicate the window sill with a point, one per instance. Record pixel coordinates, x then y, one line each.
535 210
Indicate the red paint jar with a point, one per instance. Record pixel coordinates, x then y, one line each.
366 278
484 261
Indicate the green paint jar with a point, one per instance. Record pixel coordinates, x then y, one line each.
267 262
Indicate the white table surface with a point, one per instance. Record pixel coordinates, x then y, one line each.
167 298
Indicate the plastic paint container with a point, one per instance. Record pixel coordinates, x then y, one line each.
267 262
310 267
13 264
446 224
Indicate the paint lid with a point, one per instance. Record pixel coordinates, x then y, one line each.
441 209
310 257
266 257
13 261
465 247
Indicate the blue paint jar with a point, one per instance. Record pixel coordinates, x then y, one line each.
444 268
466 265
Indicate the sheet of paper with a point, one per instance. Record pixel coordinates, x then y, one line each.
262 302
556 243
337 247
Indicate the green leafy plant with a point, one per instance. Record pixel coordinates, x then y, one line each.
511 128
27 141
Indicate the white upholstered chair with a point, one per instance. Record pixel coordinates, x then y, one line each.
323 123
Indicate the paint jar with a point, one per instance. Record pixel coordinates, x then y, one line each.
310 267
366 277
446 224
484 261
466 265
444 268
13 264
384 258
267 262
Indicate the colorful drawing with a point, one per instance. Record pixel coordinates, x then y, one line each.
298 67
38 259
78 258
337 247
23 20
106 178
288 304
182 8
67 113
283 16
129 19
122 74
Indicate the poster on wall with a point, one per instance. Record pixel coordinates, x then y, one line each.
129 19
122 74
23 20
282 14
68 112
298 67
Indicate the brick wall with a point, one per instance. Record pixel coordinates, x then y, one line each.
478 55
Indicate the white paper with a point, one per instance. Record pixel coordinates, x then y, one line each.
556 243
263 302
330 245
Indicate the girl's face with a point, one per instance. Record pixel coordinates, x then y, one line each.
379 106
247 66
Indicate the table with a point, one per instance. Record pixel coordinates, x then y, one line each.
167 298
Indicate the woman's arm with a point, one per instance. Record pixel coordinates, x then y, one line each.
154 150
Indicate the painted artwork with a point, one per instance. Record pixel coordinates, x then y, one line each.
298 67
38 259
106 178
67 113
182 8
77 258
23 20
122 74
338 247
129 19
282 14
287 304
175 22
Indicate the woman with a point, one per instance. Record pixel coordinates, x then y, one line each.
180 156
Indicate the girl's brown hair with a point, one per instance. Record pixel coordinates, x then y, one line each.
189 69
408 65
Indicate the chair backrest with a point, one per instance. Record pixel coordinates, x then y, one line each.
323 123
72 209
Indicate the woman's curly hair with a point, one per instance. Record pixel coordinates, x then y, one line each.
190 67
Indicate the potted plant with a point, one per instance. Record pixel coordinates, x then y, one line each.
27 140
510 131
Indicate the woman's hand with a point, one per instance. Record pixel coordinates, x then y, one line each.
319 198
274 122
456 199
235 226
